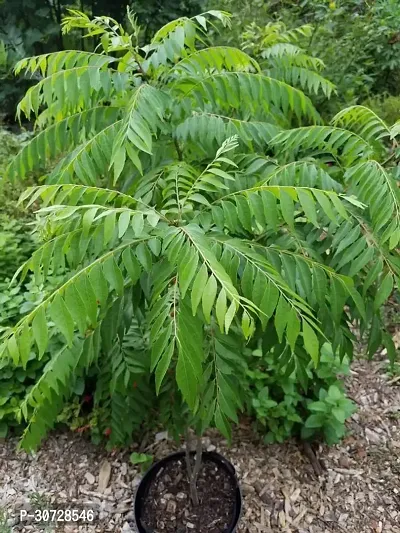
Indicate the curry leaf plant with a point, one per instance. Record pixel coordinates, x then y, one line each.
202 200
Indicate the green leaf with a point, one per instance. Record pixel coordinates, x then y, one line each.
270 209
311 343
226 398
144 256
140 458
247 325
160 344
198 287
319 284
375 336
339 414
137 224
199 198
220 309
98 280
24 345
76 307
88 218
62 318
281 316
131 264
40 331
163 366
190 354
384 291
109 227
390 347
13 350
269 301
318 406
230 315
293 328
119 163
208 297
86 291
307 203
123 223
244 212
334 393
315 421
337 202
287 208
113 274
187 271
358 300
155 246
222 424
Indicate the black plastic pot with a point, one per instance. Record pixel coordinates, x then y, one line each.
144 486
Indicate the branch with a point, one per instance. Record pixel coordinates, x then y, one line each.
178 150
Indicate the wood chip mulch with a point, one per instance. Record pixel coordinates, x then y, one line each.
359 492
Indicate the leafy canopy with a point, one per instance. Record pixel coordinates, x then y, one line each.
199 199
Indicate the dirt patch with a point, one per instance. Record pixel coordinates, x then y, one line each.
168 507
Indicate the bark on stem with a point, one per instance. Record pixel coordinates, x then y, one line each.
193 472
187 454
196 470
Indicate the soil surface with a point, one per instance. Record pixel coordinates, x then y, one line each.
167 507
359 492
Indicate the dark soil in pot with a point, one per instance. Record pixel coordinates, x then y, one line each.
167 507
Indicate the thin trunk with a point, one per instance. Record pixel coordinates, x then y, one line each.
187 454
82 31
178 149
56 13
196 470
59 19
193 470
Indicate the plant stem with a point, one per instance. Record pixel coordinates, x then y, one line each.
187 454
178 150
196 470
316 27
193 473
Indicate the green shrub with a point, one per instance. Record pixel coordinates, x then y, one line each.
283 405
16 240
16 380
358 41
16 245
198 205
385 106
329 414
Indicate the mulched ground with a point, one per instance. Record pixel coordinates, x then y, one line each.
359 491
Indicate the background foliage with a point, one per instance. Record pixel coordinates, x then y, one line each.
29 27
357 40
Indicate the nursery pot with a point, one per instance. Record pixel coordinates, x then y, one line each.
210 457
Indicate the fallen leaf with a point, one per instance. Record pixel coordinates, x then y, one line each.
104 476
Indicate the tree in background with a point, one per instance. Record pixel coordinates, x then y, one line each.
25 27
359 41
30 27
